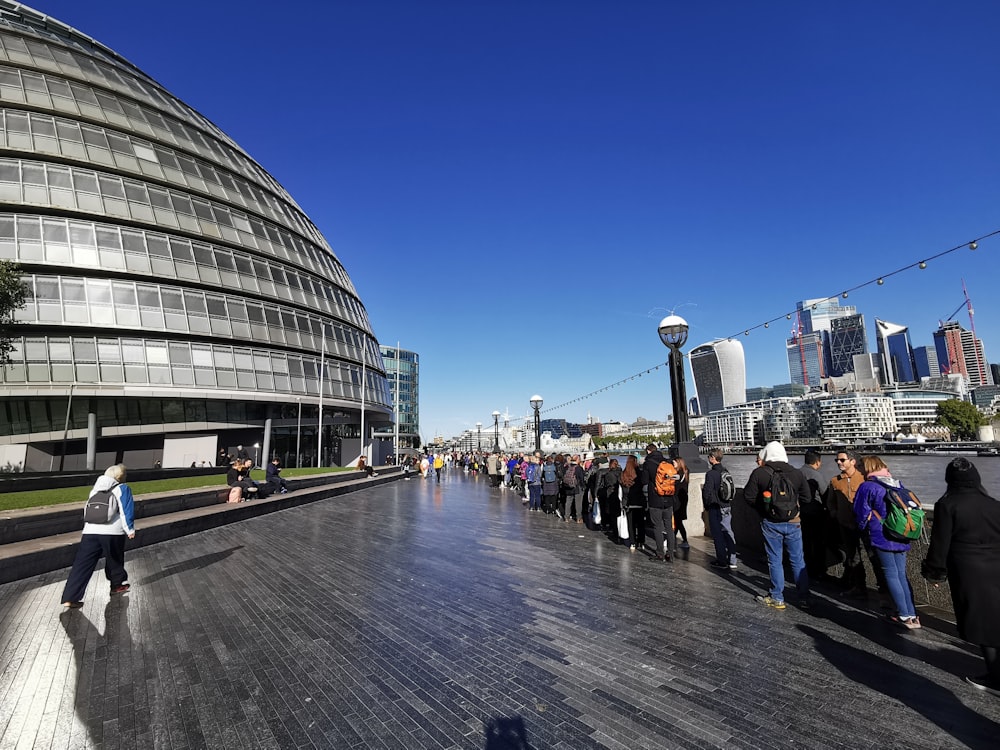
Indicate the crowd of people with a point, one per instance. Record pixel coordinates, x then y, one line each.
816 524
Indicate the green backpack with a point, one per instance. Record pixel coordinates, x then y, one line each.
904 518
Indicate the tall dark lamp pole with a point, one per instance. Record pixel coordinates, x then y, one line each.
479 436
496 432
536 404
673 331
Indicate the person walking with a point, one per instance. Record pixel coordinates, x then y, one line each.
661 507
869 509
720 512
965 551
635 503
104 538
777 490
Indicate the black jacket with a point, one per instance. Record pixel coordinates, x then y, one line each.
710 490
760 480
649 466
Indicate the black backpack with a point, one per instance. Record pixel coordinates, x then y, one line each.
781 502
101 507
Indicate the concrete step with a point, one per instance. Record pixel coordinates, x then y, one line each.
46 539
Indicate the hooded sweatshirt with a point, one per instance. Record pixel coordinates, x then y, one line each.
124 522
775 458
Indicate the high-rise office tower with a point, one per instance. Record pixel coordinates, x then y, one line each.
806 358
959 352
719 371
895 353
847 338
926 361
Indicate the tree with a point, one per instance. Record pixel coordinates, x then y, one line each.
13 294
961 417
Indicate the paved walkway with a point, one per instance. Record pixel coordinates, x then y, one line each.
418 615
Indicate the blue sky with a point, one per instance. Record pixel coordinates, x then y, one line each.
520 191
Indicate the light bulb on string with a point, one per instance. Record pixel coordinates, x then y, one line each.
880 282
973 245
767 325
844 295
923 265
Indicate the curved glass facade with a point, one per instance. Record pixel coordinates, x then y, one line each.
168 271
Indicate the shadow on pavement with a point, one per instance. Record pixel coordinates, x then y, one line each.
195 563
506 734
935 702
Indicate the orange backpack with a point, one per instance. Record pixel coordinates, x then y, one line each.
666 479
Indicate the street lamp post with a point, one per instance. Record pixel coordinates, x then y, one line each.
673 332
256 447
496 432
479 436
536 404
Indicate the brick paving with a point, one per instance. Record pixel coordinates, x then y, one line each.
418 615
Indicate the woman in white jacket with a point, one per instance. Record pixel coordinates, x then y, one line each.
107 539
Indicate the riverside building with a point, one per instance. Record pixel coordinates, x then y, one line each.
182 303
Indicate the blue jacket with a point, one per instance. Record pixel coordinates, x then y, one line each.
871 497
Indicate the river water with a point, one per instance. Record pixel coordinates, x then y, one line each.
922 474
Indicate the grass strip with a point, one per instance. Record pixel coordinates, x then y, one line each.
64 495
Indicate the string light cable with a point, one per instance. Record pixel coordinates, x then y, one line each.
877 281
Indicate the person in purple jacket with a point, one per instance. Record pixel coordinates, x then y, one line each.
869 507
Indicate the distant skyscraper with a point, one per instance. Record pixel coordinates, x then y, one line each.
720 375
895 353
959 352
925 358
995 371
806 360
809 350
847 338
819 314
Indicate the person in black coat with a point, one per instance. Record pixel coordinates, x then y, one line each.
661 507
965 551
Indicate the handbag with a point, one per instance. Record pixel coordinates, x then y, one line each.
623 525
596 513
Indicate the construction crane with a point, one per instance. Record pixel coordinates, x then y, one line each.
967 303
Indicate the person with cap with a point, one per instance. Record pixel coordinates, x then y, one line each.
965 551
780 533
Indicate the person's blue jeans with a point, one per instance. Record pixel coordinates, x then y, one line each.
720 521
778 537
534 496
894 566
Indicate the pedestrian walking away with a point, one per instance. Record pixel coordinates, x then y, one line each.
109 517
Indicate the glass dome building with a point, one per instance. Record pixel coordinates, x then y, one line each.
182 303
